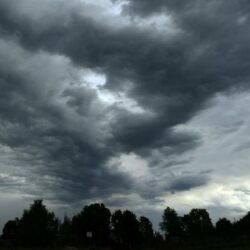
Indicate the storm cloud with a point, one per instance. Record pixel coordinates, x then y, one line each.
85 92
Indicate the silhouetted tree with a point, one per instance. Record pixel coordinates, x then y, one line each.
146 230
117 226
158 240
158 236
125 228
94 218
10 231
171 223
197 223
224 228
65 232
243 225
38 226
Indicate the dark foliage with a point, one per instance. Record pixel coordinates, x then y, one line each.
125 228
171 223
94 227
92 224
37 226
197 223
66 236
224 228
10 230
146 230
243 225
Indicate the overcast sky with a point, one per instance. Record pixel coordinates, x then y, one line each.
139 104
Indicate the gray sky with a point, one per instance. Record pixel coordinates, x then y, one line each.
138 104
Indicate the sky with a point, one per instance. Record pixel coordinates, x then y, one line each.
139 104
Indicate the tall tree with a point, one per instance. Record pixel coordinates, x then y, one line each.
38 226
197 223
224 228
117 226
125 228
171 223
65 232
93 220
146 228
243 225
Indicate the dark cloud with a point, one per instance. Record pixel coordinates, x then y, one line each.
65 132
187 182
58 157
115 55
147 7
169 184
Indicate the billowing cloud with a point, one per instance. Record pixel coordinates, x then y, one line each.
98 106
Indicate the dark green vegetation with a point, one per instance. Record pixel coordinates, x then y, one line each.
96 227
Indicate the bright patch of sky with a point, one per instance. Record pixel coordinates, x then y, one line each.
107 5
224 155
96 81
131 164
114 17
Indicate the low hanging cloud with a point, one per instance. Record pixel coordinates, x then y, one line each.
60 130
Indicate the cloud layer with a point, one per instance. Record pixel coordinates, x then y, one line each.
96 104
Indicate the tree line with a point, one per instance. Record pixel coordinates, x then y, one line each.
96 226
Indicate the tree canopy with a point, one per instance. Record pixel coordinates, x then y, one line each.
37 226
96 225
171 223
93 220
